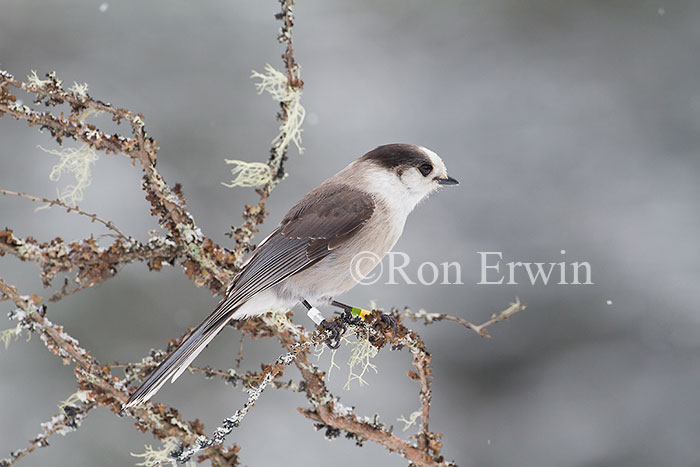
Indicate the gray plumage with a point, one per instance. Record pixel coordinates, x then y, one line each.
309 255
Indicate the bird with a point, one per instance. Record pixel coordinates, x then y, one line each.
308 257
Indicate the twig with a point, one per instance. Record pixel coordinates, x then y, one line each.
230 376
254 215
480 329
208 262
239 359
56 202
51 93
254 394
94 264
67 421
326 408
101 387
278 151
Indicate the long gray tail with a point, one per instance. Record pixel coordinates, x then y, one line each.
178 361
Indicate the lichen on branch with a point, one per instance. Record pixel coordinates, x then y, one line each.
180 242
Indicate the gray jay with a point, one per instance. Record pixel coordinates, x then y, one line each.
309 256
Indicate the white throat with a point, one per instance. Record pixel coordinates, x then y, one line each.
387 187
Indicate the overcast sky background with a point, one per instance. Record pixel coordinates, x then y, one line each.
571 125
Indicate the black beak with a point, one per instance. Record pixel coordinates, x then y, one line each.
447 181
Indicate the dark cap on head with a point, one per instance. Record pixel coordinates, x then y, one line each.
395 155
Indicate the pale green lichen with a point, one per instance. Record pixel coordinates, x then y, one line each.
8 335
160 456
412 419
34 80
175 421
278 318
79 90
320 349
77 161
20 315
276 84
360 361
74 399
248 174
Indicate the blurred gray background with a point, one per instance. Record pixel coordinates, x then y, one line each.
571 125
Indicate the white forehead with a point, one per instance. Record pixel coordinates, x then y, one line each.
435 159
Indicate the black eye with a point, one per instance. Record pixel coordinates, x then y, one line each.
425 169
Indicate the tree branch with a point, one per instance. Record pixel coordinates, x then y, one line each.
67 421
480 329
206 264
101 387
58 202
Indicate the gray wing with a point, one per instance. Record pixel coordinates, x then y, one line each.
322 221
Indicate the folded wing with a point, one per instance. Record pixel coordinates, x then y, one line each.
322 221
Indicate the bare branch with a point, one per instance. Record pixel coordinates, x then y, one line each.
67 421
101 387
57 202
231 376
254 394
480 329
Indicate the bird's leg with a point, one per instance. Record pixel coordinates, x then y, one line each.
337 327
351 311
342 306
355 312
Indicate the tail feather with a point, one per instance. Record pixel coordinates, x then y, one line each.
178 361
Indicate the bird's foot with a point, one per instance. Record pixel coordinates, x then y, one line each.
356 314
390 321
337 328
353 316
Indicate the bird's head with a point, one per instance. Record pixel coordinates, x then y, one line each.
405 171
